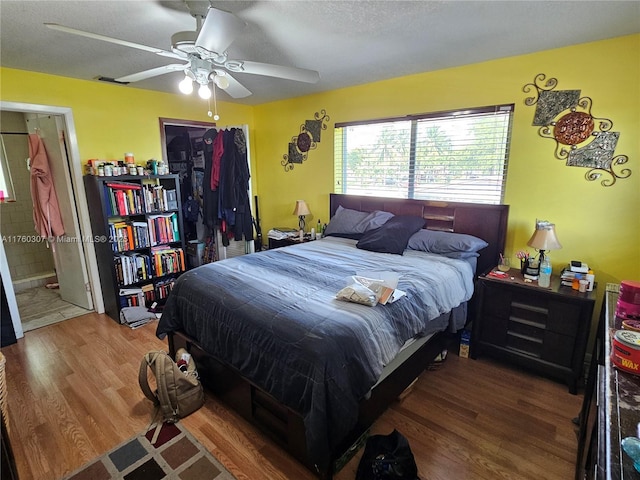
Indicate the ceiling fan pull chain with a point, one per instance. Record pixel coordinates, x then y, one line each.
216 117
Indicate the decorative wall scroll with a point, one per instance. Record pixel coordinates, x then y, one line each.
306 140
581 139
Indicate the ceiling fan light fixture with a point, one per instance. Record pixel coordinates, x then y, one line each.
221 81
204 92
186 85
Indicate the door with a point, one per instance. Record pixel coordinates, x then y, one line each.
68 254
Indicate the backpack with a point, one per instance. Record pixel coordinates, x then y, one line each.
178 393
387 457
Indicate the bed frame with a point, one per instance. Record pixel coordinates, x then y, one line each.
286 426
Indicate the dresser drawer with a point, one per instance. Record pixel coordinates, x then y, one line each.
525 344
529 314
520 326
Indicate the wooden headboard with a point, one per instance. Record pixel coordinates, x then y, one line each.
488 222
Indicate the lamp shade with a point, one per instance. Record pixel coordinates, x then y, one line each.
544 237
301 208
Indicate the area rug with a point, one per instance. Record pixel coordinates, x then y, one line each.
174 455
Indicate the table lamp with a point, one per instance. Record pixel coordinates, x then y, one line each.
301 210
544 238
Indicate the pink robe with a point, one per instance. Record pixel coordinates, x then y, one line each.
46 211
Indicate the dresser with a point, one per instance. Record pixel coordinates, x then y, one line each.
611 407
541 329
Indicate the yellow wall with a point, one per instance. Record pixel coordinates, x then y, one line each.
111 119
595 224
598 225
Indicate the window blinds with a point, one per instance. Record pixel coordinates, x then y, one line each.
454 156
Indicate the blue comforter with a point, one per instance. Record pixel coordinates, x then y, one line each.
274 317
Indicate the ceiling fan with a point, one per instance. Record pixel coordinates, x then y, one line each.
205 54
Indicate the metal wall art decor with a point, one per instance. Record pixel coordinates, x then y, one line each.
582 140
306 140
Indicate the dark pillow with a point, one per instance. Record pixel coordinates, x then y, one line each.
433 241
353 223
393 236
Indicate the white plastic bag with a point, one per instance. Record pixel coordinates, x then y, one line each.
358 293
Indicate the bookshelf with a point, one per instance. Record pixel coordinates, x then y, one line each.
143 252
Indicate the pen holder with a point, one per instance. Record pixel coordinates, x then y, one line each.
531 267
523 266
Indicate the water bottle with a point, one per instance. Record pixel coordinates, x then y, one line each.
544 280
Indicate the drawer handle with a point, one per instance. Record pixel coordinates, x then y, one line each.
525 337
530 308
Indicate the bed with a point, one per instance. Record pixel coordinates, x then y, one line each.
314 372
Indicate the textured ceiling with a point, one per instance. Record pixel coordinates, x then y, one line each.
347 42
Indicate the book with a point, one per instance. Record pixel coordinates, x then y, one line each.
124 185
163 228
172 200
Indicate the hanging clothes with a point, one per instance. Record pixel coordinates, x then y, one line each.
209 196
244 218
226 186
46 210
234 185
218 150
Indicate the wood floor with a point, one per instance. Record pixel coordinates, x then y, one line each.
73 394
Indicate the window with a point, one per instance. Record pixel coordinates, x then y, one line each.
455 156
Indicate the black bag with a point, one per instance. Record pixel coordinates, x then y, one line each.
191 210
387 457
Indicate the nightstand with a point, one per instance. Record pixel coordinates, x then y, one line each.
285 242
542 329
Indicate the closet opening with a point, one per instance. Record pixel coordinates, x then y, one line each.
187 148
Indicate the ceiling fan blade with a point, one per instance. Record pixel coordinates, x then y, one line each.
235 88
278 71
153 72
219 30
125 43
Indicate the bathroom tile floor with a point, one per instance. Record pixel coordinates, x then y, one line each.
42 306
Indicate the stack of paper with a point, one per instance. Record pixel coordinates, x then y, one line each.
280 233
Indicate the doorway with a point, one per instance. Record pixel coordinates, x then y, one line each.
185 151
48 282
